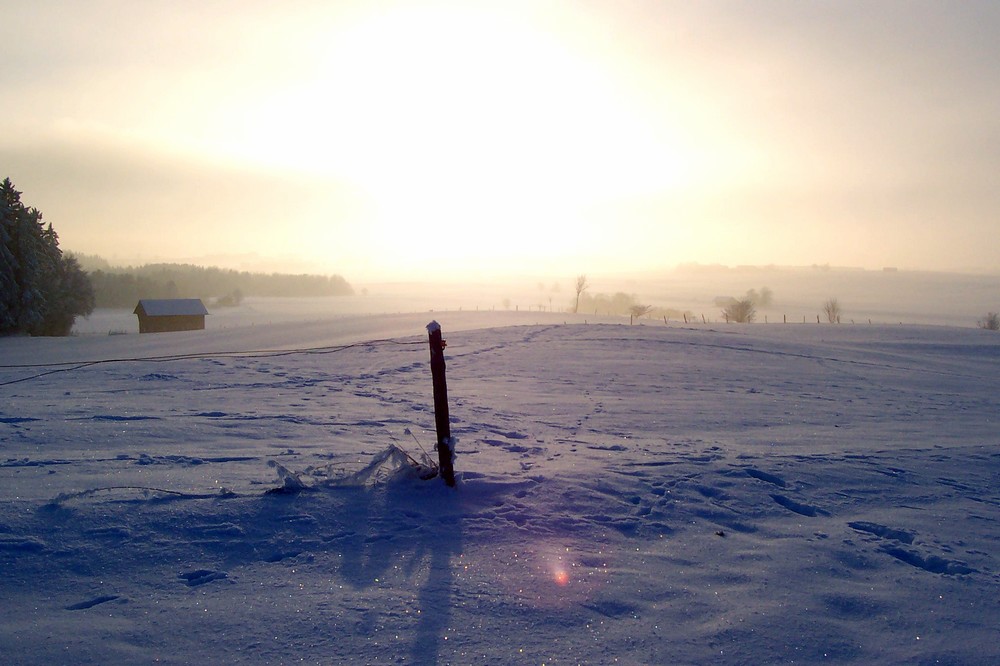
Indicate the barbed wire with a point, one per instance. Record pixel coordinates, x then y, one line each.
70 366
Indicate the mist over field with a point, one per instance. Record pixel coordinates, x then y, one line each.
798 294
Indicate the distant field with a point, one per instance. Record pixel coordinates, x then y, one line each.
878 297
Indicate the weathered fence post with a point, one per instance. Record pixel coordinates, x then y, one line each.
442 423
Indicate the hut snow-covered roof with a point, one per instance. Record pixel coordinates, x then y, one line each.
171 307
158 315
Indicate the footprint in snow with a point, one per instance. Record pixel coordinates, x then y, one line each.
513 448
90 603
21 544
798 507
882 531
201 576
280 555
218 530
929 563
611 608
764 476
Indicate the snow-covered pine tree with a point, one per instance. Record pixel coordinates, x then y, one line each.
41 291
8 264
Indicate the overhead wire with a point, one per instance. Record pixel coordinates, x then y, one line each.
70 366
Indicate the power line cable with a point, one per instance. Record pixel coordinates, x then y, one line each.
69 366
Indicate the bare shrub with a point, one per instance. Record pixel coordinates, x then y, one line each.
640 311
832 310
991 322
581 286
740 312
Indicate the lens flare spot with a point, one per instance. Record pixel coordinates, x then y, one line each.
561 577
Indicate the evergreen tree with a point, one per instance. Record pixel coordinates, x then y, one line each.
8 264
41 291
22 239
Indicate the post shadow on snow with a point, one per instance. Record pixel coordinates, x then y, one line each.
404 527
399 536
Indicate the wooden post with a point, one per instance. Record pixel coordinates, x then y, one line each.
446 453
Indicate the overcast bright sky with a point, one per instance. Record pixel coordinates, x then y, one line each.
383 138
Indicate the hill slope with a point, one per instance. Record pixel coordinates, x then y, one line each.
650 494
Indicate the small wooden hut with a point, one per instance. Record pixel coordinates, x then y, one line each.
158 315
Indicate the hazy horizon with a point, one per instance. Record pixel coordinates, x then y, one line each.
259 263
415 140
795 295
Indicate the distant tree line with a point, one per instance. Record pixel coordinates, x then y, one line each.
123 287
621 304
42 291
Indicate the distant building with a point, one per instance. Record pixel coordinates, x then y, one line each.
170 314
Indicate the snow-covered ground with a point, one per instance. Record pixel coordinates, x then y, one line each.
627 494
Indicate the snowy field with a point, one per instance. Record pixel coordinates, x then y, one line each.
627 494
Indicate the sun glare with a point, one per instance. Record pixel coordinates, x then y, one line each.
473 133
